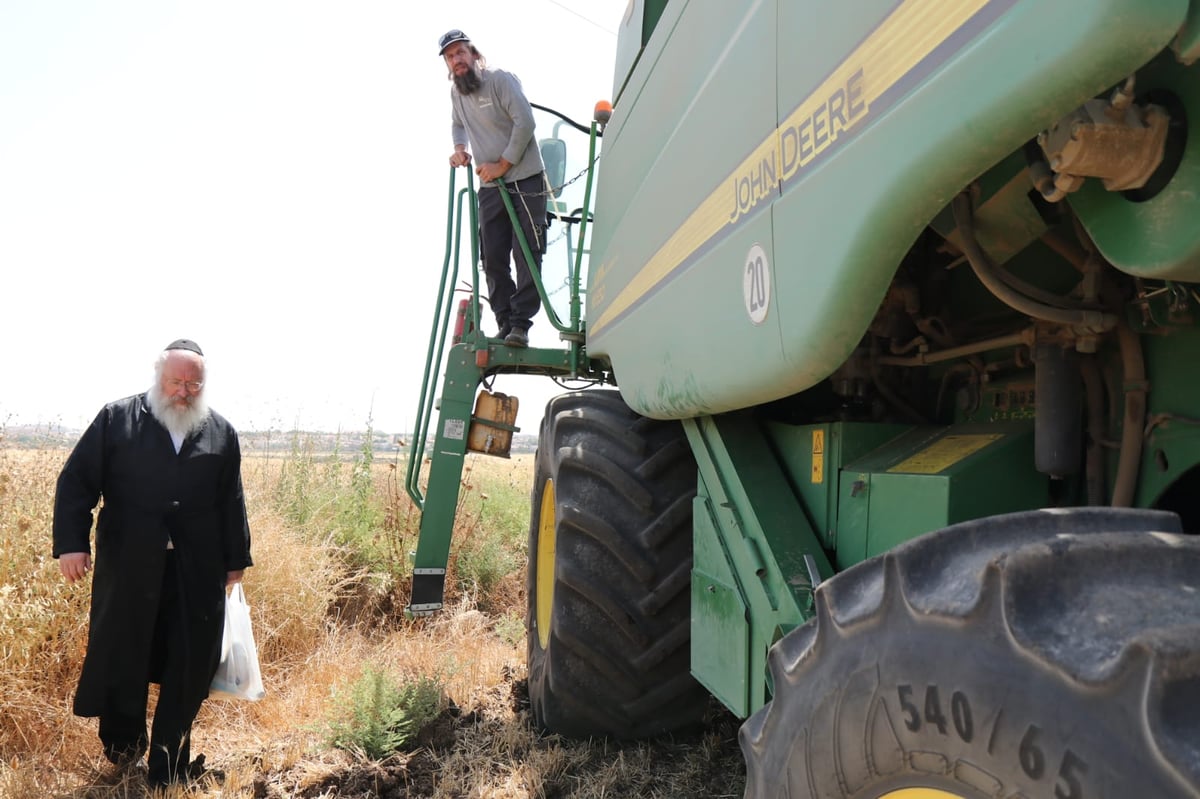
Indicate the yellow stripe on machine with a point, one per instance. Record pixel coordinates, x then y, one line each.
818 456
944 453
897 45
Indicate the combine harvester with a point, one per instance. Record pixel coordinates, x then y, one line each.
900 459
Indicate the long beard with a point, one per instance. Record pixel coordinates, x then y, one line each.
180 421
468 82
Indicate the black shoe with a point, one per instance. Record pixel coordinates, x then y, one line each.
160 774
159 777
518 338
504 331
121 774
125 756
196 769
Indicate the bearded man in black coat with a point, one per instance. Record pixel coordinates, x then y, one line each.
171 535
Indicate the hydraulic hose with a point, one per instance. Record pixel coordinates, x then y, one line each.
581 128
1133 372
1069 251
1036 293
989 275
891 397
1132 361
1023 337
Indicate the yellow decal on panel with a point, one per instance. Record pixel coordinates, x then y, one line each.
841 103
818 457
944 453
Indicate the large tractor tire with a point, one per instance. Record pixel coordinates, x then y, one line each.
1042 655
610 558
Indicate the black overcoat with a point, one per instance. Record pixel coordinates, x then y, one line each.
151 495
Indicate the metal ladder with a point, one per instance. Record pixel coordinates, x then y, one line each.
471 359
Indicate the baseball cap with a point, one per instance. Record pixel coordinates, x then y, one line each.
449 38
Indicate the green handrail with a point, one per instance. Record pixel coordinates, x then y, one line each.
441 322
441 317
535 272
576 276
573 328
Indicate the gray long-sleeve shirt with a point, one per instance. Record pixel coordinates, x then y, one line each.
497 121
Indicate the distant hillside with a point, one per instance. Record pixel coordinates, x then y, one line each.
37 436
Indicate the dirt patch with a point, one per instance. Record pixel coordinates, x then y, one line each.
490 750
399 778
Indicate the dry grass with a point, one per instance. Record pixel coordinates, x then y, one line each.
317 620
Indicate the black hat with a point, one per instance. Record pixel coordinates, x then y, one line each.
450 37
185 344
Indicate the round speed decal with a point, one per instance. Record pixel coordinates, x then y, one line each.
756 284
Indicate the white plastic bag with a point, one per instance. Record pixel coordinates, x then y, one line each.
238 675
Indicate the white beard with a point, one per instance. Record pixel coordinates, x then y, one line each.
180 422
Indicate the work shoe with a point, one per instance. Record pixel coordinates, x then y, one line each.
123 774
125 756
518 338
159 777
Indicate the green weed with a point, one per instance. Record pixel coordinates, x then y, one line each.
332 496
510 627
493 525
377 716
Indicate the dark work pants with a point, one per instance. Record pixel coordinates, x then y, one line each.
514 303
124 735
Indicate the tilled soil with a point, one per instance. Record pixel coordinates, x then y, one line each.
701 763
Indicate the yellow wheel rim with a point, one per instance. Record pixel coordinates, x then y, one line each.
546 546
920 793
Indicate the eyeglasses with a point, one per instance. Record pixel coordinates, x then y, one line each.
192 386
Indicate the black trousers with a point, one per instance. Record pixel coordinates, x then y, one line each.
514 303
123 734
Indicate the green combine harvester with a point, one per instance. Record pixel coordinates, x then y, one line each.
897 304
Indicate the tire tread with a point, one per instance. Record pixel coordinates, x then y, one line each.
617 660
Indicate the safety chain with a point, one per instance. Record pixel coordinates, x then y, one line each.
566 283
553 191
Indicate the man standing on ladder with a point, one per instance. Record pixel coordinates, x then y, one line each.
489 112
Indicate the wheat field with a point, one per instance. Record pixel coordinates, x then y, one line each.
331 533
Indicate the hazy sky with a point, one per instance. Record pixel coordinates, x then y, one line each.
267 177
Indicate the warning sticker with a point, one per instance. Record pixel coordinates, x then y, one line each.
944 453
818 457
455 428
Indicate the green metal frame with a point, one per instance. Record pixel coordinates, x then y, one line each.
752 521
781 507
468 362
